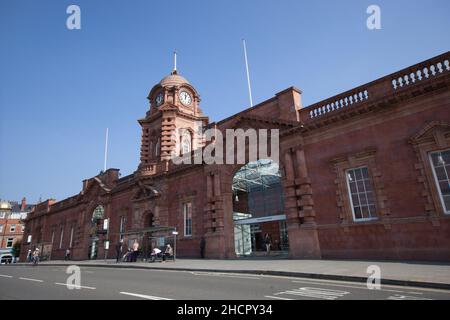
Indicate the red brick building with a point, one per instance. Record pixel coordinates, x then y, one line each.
362 175
11 222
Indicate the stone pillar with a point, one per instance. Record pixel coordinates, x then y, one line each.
299 207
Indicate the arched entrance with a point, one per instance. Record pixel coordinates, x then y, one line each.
258 210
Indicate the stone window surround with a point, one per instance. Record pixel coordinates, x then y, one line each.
435 136
341 164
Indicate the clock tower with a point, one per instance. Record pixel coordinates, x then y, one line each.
171 124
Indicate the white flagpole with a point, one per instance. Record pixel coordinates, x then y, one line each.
248 74
175 61
106 150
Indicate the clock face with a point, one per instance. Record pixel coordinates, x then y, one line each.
159 99
185 98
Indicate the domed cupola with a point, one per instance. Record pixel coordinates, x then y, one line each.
170 125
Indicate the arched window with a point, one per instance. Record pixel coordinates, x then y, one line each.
186 143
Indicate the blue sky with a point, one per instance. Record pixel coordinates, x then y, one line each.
60 88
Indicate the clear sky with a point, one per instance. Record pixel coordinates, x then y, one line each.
60 88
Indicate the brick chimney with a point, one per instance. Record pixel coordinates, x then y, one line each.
23 204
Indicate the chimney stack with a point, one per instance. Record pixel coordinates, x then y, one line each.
24 204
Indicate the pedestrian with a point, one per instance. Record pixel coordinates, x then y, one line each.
268 243
168 253
67 255
202 247
135 251
119 250
36 257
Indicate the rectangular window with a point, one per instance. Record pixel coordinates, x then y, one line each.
122 226
187 211
441 170
12 228
362 196
2 215
71 237
61 238
1 228
9 242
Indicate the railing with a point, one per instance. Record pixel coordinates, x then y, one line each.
344 100
421 74
385 86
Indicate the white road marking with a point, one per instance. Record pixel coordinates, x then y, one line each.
5 276
29 279
74 286
280 298
401 297
225 275
143 296
318 293
355 286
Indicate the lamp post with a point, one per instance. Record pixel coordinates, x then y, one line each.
174 244
106 227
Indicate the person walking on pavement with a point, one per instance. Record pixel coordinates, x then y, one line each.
119 250
67 256
202 247
36 257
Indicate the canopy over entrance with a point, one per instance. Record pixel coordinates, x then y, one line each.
258 210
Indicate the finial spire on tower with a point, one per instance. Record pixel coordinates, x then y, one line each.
174 71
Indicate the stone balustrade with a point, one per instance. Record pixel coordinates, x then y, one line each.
421 74
383 87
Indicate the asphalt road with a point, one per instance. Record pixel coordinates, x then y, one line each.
49 282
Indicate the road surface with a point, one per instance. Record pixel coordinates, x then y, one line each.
50 282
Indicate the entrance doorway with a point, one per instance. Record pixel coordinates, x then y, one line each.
258 210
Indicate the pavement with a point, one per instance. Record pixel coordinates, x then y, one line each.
414 274
50 282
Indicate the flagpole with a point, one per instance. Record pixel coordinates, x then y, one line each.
248 74
106 150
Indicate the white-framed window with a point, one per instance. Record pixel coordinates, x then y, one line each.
71 237
12 228
187 212
9 242
22 228
29 238
61 238
1 228
361 193
2 215
440 161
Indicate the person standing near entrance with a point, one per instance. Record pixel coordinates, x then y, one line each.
119 250
202 247
268 243
135 251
